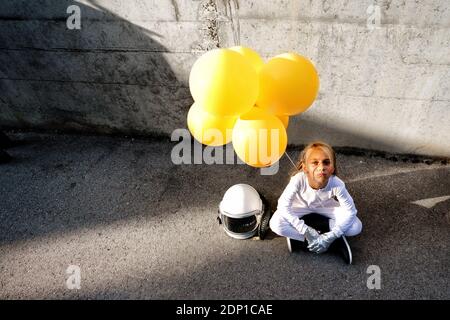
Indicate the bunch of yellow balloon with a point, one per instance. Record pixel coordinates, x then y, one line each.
240 98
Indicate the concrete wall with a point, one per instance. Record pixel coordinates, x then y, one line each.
127 69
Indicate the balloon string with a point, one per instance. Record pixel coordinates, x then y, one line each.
293 164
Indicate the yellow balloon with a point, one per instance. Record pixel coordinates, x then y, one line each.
224 83
259 138
289 84
284 120
255 60
209 129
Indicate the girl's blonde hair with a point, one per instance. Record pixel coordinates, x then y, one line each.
316 144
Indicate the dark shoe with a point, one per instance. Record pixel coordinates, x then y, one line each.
289 244
4 157
342 247
5 142
296 245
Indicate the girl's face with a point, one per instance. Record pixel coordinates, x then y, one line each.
318 168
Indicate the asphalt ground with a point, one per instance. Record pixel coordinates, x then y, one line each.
140 227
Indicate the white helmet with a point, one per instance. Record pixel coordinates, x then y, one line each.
241 211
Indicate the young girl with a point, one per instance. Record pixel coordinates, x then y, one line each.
314 187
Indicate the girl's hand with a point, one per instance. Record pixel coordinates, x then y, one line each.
311 235
323 242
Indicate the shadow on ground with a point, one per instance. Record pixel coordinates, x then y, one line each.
141 227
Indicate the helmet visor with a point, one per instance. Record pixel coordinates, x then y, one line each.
241 225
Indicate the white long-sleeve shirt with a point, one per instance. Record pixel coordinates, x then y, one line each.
298 196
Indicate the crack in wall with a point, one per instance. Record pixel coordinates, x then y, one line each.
176 10
209 31
98 82
394 157
231 13
95 50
